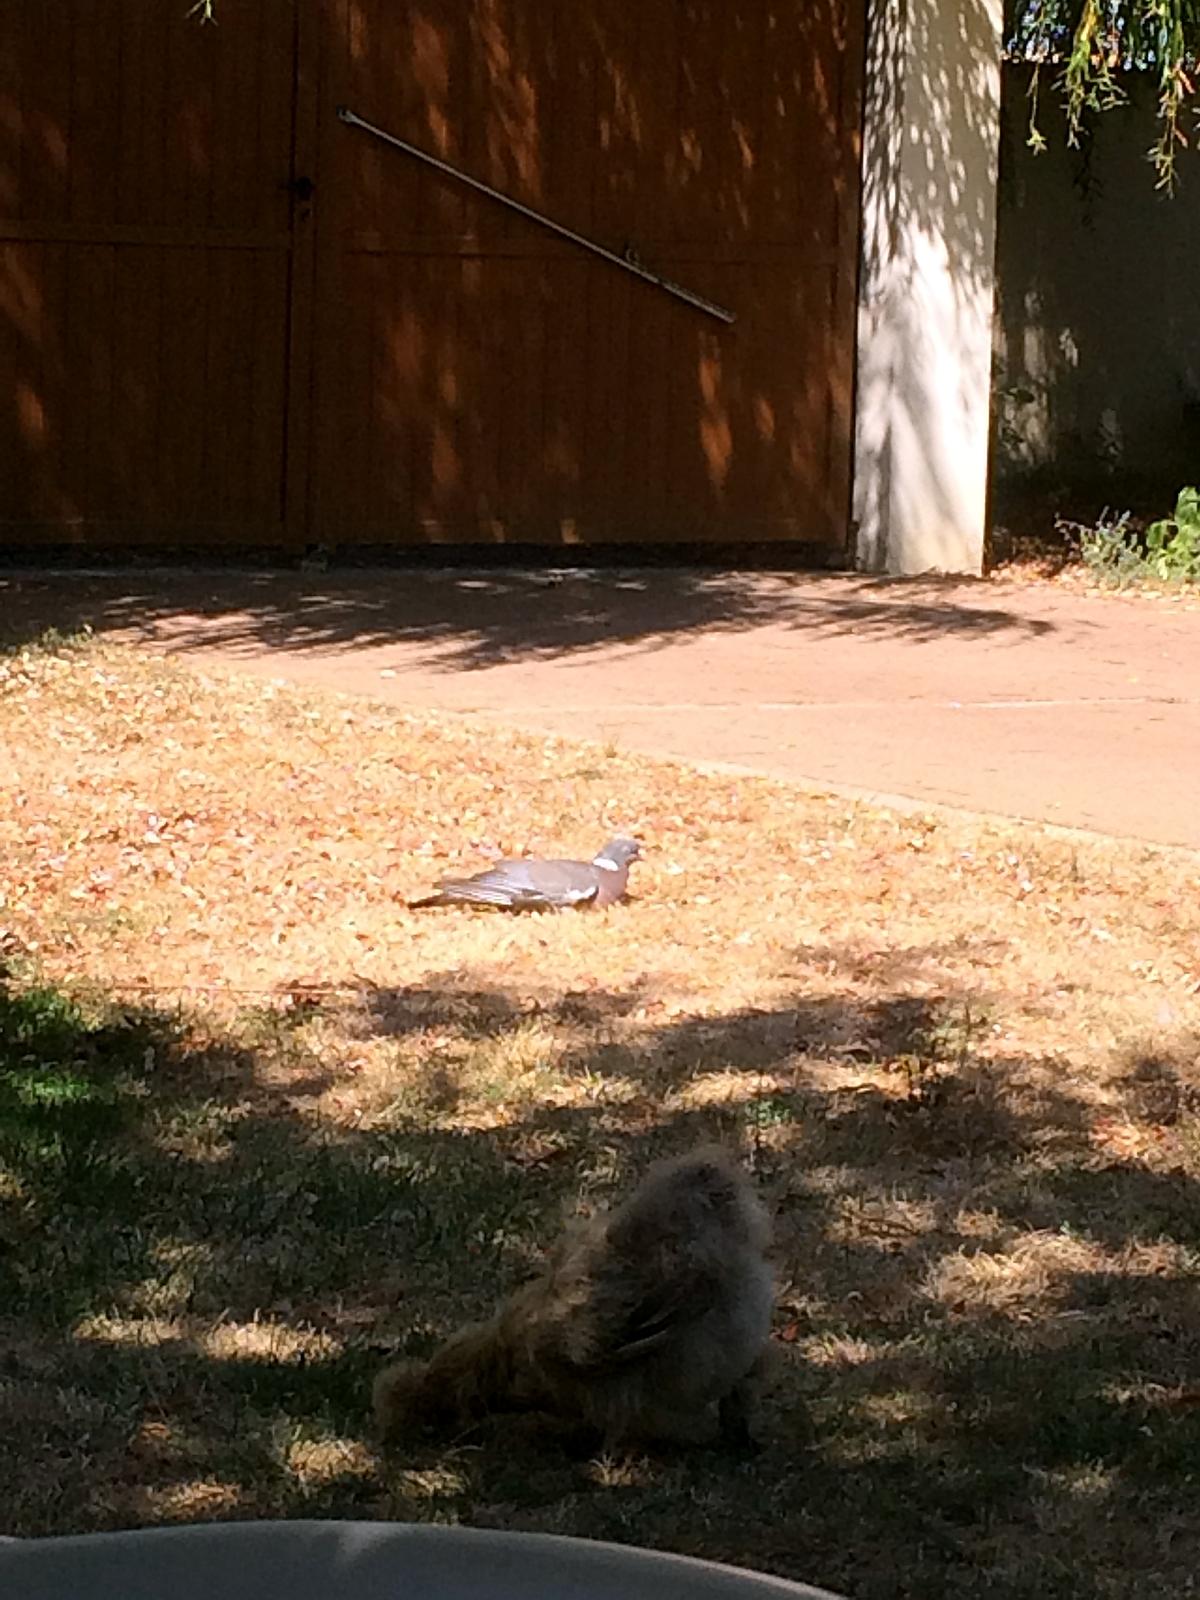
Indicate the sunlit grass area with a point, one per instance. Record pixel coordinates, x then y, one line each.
262 1127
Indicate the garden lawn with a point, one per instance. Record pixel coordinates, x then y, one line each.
262 1127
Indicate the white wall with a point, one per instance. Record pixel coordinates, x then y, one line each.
931 144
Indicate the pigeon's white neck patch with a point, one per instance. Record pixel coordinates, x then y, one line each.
606 862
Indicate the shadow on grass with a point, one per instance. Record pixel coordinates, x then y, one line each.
991 1319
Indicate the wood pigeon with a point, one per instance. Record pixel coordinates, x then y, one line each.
532 885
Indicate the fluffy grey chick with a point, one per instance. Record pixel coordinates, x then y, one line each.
649 1322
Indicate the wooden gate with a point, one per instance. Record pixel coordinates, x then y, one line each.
478 378
198 350
147 244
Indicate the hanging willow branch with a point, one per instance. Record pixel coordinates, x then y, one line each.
1094 44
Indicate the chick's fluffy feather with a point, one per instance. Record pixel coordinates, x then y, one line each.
649 1322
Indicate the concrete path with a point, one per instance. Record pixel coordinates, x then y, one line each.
1027 700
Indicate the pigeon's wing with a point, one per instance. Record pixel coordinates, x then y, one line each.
556 883
526 883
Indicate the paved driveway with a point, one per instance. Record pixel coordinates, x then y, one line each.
1029 700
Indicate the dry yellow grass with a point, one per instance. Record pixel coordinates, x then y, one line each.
260 1124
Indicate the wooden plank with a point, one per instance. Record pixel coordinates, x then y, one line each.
650 219
135 385
568 100
371 354
152 179
400 487
685 461
652 331
75 413
329 292
127 150
279 142
616 148
564 405
12 112
844 307
411 464
817 136
432 74
604 372
185 123
94 287
235 162
224 329
73 338
49 57
480 447
303 161
182 409
238 499
95 114
268 455
52 386
523 407
16 335
744 208
477 154
390 77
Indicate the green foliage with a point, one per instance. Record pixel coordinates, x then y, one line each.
1167 552
1173 543
66 1079
1095 42
1109 549
50 642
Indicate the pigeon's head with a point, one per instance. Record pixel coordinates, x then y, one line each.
618 853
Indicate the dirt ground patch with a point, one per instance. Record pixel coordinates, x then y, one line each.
261 1127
